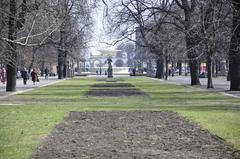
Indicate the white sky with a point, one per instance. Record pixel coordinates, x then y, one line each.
99 35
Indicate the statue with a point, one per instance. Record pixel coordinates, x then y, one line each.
110 72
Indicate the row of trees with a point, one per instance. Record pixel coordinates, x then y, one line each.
35 31
189 30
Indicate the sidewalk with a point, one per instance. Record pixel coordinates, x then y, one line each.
23 88
221 85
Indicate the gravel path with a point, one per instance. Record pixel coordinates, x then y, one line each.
131 135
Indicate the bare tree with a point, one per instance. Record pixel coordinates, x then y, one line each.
36 24
72 15
140 18
213 17
22 18
128 48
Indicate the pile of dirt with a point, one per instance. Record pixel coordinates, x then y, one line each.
131 135
114 89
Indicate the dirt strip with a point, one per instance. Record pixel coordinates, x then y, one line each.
131 135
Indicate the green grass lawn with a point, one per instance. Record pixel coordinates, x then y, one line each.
23 126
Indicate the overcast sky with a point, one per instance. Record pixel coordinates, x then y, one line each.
99 35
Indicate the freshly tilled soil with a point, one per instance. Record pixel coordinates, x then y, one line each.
131 135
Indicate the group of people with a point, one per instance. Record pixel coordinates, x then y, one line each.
24 75
99 72
132 71
34 75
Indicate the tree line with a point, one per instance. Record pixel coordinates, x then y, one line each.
181 30
35 31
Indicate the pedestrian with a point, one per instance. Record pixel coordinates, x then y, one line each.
24 75
46 71
3 75
100 71
134 72
34 76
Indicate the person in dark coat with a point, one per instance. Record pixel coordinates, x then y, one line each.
46 71
134 72
34 76
24 75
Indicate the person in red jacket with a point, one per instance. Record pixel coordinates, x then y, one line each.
34 76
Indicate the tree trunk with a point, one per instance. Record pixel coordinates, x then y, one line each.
61 54
160 69
213 68
78 66
234 52
65 68
209 69
186 68
173 69
228 73
166 66
217 68
191 41
193 64
60 64
11 65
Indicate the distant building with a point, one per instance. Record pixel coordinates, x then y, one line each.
119 60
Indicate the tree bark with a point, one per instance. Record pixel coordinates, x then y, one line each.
62 54
60 64
213 68
217 68
11 65
191 40
193 62
160 68
173 69
234 52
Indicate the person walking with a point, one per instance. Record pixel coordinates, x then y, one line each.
134 72
100 71
46 71
34 76
24 75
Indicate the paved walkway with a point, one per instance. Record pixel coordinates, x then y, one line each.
23 88
221 85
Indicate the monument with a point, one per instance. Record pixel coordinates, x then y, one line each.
109 53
